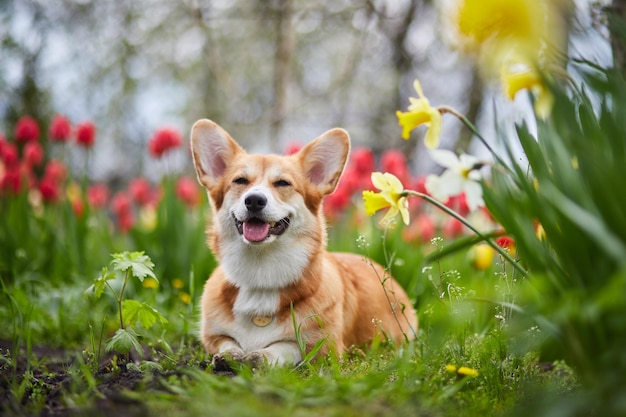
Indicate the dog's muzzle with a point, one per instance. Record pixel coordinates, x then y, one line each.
255 229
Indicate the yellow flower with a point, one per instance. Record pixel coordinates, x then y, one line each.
185 298
391 195
178 283
73 192
451 368
527 79
150 283
482 256
420 113
501 32
484 21
462 371
465 371
540 232
148 217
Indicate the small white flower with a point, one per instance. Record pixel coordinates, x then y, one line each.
461 175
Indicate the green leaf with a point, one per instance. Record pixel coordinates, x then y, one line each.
588 222
148 316
99 284
123 341
130 311
139 264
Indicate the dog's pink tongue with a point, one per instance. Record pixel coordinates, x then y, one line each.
255 231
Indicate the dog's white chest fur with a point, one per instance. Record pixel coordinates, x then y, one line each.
256 302
251 336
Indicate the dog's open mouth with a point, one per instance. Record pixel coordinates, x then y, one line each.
257 230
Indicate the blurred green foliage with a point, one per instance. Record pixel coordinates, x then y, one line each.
572 188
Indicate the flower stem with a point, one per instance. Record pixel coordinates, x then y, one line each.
488 240
472 128
120 299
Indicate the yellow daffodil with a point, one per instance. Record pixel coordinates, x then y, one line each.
501 32
490 23
391 195
526 78
497 28
420 113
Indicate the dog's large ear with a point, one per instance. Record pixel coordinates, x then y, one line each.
324 159
212 149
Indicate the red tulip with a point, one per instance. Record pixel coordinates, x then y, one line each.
98 195
292 148
163 141
121 204
362 160
60 128
33 154
394 162
49 190
187 191
86 134
27 129
11 180
56 171
139 189
9 154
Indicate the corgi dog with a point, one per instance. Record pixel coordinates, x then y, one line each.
275 275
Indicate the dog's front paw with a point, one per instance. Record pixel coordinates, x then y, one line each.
223 362
256 360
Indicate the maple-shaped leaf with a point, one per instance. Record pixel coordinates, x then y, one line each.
99 283
123 341
147 315
138 263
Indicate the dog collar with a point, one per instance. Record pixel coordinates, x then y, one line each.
262 321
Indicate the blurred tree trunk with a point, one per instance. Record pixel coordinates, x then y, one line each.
282 65
402 62
617 26
30 97
215 78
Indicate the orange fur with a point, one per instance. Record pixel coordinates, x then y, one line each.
344 292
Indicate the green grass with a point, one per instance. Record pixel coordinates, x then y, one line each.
54 358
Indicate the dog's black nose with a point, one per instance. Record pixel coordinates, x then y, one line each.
255 202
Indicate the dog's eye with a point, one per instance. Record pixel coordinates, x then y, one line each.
241 181
282 183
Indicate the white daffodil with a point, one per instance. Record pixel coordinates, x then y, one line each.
461 175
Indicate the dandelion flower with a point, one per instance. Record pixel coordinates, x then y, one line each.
150 283
185 298
466 371
391 195
420 113
462 371
451 368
